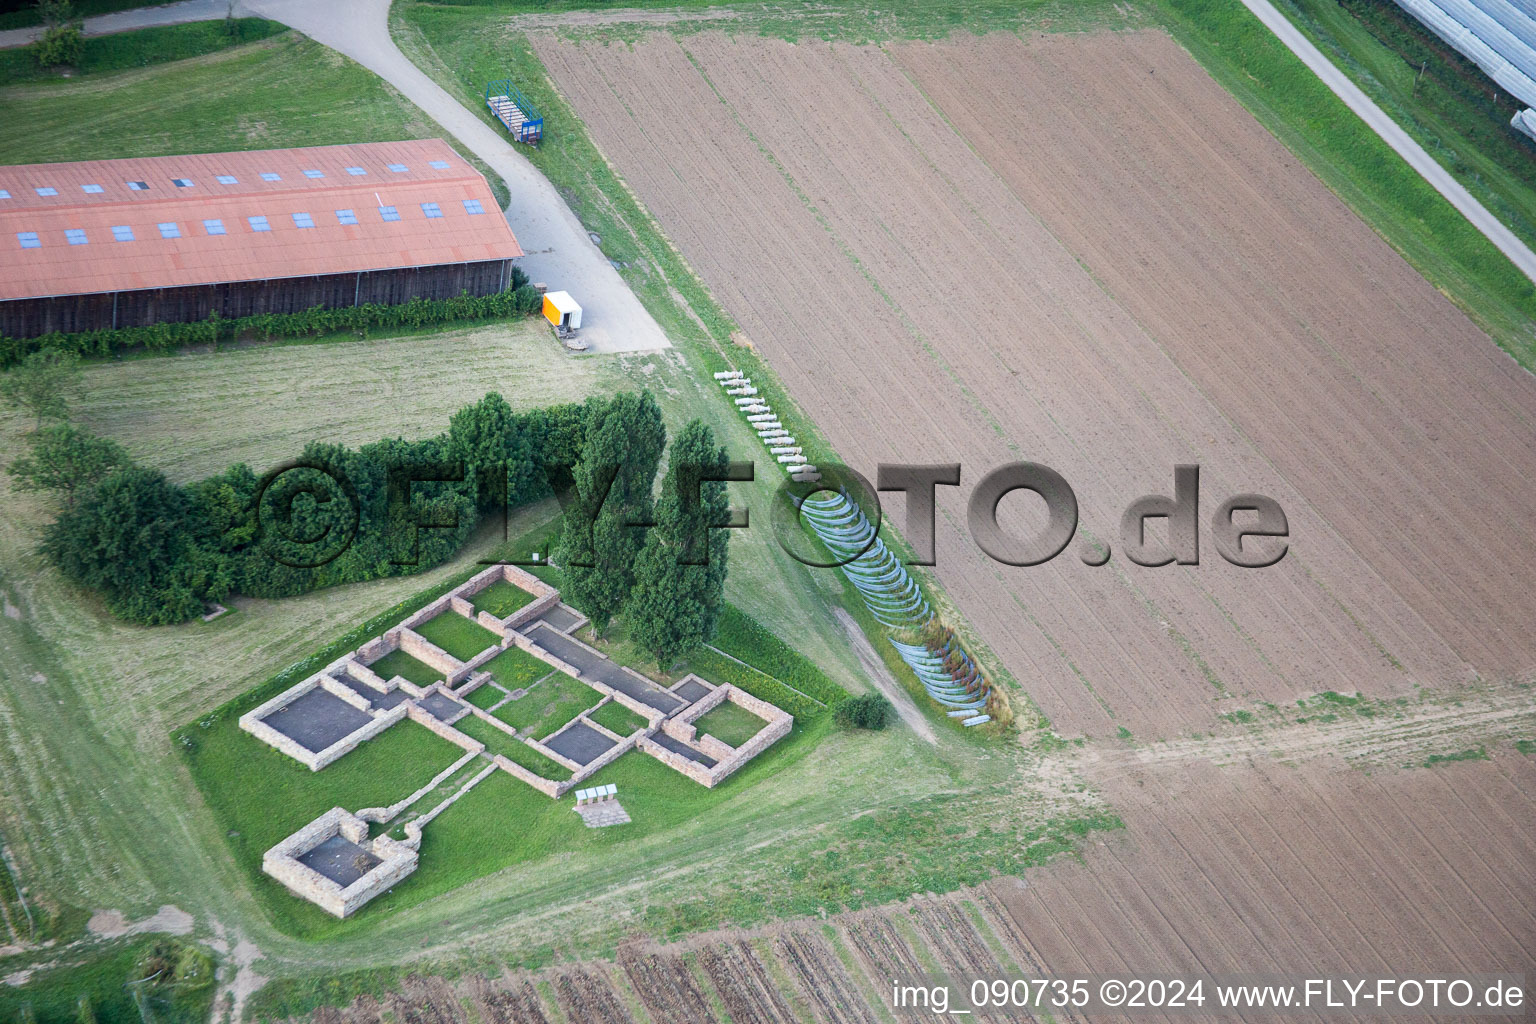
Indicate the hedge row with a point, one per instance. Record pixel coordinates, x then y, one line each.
520 300
749 640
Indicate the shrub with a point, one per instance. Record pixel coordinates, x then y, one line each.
157 551
61 42
520 300
866 711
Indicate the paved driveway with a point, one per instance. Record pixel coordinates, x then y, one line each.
559 251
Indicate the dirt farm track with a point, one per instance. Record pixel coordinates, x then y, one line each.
1099 261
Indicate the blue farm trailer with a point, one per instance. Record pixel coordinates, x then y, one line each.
512 109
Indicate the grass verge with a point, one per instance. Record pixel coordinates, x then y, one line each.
399 663
617 718
140 48
99 981
515 668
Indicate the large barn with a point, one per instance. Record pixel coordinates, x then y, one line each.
123 243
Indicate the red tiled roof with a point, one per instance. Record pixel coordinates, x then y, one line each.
102 263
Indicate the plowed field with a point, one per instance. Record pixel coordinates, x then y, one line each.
1221 871
1079 250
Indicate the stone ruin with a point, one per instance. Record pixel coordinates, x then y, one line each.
332 863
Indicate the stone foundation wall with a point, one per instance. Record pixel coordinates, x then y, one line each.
760 708
379 646
538 606
549 787
399 861
495 625
707 703
424 650
778 727
443 729
715 748
345 746
281 862
345 693
695 771
611 755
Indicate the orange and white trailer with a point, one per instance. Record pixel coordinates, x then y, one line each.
562 311
564 315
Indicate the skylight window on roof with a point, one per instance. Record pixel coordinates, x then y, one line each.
356 171
214 226
227 179
389 213
271 176
46 190
431 210
398 168
312 173
441 165
75 236
182 182
29 240
473 207
303 220
259 223
92 189
346 216
4 194
122 232
169 229
138 186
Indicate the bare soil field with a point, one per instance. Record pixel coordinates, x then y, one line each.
1221 871
1266 869
1079 250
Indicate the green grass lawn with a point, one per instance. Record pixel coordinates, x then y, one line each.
261 796
484 696
141 48
514 668
617 718
457 635
501 599
514 750
730 723
399 663
548 706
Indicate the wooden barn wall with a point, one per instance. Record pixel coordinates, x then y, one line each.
28 318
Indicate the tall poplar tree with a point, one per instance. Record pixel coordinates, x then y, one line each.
614 478
680 575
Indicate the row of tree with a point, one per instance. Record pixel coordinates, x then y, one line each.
658 561
158 551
